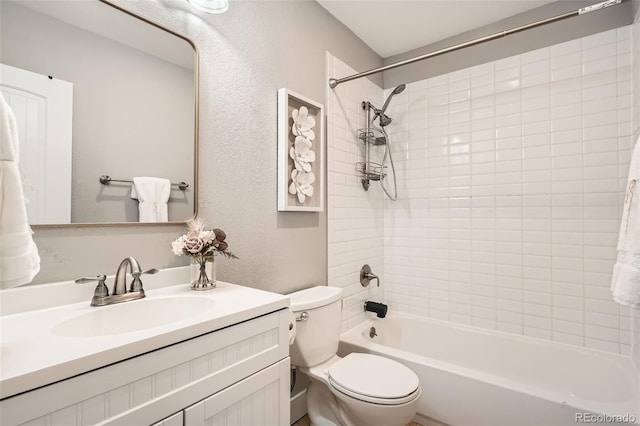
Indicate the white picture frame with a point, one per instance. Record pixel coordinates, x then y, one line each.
301 160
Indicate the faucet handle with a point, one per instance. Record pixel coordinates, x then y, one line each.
99 278
366 276
101 290
136 283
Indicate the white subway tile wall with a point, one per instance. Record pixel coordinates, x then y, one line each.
511 178
355 217
635 61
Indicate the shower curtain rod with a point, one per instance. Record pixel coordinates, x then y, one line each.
333 82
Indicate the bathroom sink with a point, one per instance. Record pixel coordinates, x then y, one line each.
133 316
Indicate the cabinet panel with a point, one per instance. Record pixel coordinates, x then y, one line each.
259 400
175 420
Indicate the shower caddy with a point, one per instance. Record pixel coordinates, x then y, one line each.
369 170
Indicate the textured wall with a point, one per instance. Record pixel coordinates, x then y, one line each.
246 54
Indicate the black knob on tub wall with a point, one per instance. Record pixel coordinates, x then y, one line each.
380 309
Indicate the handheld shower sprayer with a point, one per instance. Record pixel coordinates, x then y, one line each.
380 113
372 170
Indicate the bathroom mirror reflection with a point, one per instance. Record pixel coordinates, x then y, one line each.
97 91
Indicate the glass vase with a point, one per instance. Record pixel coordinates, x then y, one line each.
203 272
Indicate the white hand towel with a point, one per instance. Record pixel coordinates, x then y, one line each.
625 283
19 259
152 194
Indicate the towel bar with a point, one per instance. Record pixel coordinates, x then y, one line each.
106 180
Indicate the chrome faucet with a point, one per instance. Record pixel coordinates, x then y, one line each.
120 281
120 293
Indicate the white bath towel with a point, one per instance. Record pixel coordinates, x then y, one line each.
625 283
152 194
19 259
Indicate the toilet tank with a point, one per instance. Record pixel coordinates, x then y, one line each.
318 336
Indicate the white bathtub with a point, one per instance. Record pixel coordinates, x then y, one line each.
473 377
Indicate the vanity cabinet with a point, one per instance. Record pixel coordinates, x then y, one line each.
254 401
238 375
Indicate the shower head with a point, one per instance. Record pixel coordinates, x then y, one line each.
398 89
384 119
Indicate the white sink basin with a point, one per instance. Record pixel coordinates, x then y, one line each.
133 316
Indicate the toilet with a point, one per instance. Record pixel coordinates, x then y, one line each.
357 390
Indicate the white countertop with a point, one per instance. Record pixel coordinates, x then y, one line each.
32 355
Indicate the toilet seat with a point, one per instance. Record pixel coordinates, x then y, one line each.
374 379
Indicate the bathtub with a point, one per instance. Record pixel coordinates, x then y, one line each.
473 377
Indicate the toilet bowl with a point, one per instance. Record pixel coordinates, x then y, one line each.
357 390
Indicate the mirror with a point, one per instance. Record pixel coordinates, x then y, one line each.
99 92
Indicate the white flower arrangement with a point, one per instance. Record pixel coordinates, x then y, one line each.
302 178
200 243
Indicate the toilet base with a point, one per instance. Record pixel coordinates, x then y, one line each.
322 406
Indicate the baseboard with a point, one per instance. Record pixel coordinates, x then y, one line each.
298 406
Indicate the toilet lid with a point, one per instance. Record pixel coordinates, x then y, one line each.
373 376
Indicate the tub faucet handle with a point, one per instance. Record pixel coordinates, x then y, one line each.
366 276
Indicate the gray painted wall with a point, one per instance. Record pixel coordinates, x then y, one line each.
536 38
127 103
246 54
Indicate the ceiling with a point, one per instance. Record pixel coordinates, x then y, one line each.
391 27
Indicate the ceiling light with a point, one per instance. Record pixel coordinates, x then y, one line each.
210 6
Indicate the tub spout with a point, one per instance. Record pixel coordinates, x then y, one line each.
380 309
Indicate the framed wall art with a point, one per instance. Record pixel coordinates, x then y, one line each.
300 153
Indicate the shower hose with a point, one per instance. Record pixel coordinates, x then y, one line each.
387 153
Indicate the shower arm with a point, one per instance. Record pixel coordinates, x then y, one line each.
333 82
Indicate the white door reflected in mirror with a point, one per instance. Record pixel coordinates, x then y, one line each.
43 108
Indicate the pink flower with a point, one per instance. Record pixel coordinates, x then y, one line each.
193 244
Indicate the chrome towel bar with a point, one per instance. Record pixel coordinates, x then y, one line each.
106 180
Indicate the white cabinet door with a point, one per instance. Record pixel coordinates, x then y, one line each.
43 108
259 400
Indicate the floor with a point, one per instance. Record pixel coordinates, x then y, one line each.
306 422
